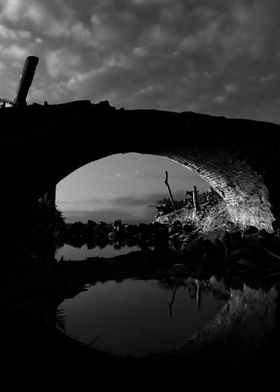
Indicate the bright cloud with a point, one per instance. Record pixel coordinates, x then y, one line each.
62 62
14 52
7 33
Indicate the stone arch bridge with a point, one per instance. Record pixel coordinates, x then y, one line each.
42 144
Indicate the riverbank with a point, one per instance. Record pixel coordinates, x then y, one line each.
169 251
248 252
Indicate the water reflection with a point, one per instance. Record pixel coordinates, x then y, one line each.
69 252
135 317
80 241
106 248
244 327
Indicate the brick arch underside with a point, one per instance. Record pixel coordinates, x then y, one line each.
243 190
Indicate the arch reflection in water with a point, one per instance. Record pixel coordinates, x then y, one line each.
138 317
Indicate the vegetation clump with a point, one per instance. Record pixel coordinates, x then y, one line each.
205 200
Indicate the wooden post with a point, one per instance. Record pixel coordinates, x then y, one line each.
169 190
26 79
195 200
172 300
198 294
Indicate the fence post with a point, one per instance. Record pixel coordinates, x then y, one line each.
26 79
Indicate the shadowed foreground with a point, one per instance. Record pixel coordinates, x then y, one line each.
241 342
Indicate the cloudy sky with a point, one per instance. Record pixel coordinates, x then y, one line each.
123 187
220 57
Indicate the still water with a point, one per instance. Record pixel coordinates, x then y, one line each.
69 252
137 317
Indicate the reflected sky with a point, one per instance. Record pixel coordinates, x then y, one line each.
133 317
69 252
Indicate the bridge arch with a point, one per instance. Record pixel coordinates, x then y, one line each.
241 188
238 158
123 186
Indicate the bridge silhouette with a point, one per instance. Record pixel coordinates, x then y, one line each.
42 144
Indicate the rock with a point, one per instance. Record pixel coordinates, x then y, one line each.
276 225
205 246
263 233
180 268
219 246
246 263
158 225
264 238
277 234
235 239
250 230
101 228
188 228
224 238
91 223
143 228
237 254
129 230
140 236
89 230
112 235
177 223
160 230
231 239
117 223
175 227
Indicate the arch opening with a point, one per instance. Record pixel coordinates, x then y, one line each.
245 195
123 186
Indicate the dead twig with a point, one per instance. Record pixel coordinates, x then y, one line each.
90 344
169 190
172 300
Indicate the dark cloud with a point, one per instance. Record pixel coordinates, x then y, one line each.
145 175
188 177
90 200
109 215
214 57
127 208
122 201
132 201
